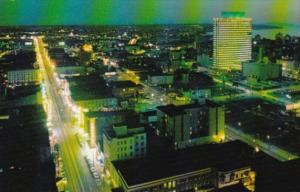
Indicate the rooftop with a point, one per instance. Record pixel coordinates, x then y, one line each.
123 130
226 156
92 114
174 110
235 14
20 61
88 87
123 84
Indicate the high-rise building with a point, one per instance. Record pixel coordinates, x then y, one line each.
191 124
232 40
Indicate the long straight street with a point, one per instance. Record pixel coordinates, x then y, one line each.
79 178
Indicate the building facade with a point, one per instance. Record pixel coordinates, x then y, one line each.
160 79
261 71
121 142
191 124
24 76
124 142
232 41
94 123
196 169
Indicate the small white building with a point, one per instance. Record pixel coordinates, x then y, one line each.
122 141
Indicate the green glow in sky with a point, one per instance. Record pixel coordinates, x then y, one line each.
53 12
146 11
193 10
28 12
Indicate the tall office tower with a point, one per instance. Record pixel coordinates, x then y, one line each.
232 40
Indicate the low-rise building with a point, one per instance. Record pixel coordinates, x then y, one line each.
261 71
160 79
64 64
89 92
125 89
70 69
290 69
23 68
203 168
95 122
124 141
176 57
23 76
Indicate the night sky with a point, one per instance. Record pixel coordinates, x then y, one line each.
52 12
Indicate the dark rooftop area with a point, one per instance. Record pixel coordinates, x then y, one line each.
123 84
279 177
110 113
21 60
25 158
226 156
22 91
88 87
174 110
110 132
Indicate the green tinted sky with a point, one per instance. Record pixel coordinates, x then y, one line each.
15 12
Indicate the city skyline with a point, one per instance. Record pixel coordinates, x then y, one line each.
149 95
116 12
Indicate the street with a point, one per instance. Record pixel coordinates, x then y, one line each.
79 178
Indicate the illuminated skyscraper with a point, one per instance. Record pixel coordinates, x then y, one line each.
232 40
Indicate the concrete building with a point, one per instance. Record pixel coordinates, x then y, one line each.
125 89
191 124
94 123
290 69
24 76
232 41
204 168
89 92
160 79
260 71
22 68
123 141
176 58
64 64
70 70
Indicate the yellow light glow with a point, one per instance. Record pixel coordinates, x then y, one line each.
87 48
93 132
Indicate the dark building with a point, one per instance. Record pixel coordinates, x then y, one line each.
125 89
95 122
25 160
203 168
191 124
282 176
